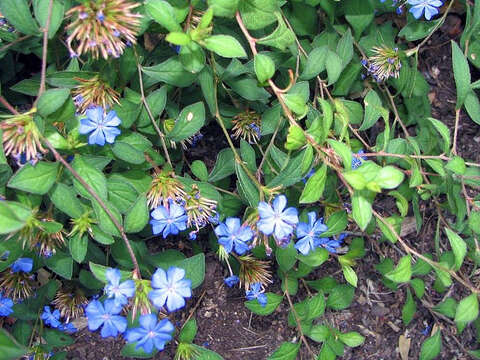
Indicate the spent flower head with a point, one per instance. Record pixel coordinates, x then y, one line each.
200 210
94 92
247 126
21 136
384 63
164 188
103 27
253 270
70 301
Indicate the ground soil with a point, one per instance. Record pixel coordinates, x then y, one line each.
227 327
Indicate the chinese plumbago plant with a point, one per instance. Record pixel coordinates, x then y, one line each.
313 114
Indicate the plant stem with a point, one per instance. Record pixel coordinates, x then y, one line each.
16 41
9 107
92 192
45 50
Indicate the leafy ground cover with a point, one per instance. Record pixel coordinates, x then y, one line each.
225 179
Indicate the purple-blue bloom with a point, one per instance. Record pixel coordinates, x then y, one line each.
429 7
151 333
22 265
103 128
256 292
5 306
330 245
358 161
170 288
276 219
69 328
308 234
119 291
232 235
107 314
51 318
231 281
168 221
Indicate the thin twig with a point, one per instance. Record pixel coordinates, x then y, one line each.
14 42
92 192
9 107
45 50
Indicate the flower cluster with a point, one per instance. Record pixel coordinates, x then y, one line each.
167 289
52 319
419 7
247 126
383 64
103 27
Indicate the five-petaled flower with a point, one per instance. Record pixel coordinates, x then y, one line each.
103 128
256 292
169 220
276 219
120 292
5 306
232 235
22 265
308 234
107 314
429 7
151 333
170 288
51 318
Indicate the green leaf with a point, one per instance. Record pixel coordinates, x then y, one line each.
431 347
223 8
78 246
337 222
443 131
170 71
359 14
459 247
19 15
13 216
333 63
93 177
314 258
314 187
345 48
40 8
163 13
409 309
461 73
403 271
418 286
472 105
248 155
281 37
188 331
35 179
286 351
264 67
51 100
128 153
315 63
247 187
344 152
448 307
9 347
199 169
297 103
178 38
61 264
352 339
130 349
225 45
457 165
257 14
104 221
389 177
361 210
341 296
137 216
373 110
467 310
319 333
189 122
350 275
295 138
286 256
224 166
273 301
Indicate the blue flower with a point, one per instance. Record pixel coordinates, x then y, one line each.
168 221
307 234
22 265
231 281
102 128
308 176
150 333
69 328
170 288
256 292
106 315
49 318
277 220
357 161
330 245
119 291
5 306
232 235
430 7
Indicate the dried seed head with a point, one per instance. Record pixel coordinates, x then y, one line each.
165 186
17 285
200 210
103 27
94 92
384 64
253 271
247 126
70 300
